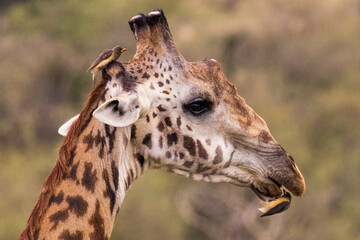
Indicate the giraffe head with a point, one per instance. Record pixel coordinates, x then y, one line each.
187 118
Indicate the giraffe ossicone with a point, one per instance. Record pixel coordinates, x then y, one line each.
154 13
156 111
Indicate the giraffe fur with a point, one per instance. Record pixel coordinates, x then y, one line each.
156 111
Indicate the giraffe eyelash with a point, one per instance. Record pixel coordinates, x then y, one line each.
198 106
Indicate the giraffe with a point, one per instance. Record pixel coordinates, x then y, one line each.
156 111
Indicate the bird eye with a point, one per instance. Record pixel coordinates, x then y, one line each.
198 106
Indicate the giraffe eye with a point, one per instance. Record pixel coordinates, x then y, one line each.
198 106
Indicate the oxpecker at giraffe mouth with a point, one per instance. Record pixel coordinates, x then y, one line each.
269 166
270 185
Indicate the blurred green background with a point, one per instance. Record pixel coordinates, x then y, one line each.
297 63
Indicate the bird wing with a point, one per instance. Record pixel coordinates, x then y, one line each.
103 56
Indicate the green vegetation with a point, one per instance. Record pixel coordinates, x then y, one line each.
295 62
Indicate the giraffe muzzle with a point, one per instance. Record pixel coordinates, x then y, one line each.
283 171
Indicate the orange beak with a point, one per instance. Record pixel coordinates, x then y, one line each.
123 50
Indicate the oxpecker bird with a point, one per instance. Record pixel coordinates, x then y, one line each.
276 206
104 59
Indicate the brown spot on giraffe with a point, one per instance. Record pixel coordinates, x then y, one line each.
109 192
189 144
59 216
178 122
168 121
188 164
77 204
201 150
172 139
160 126
115 174
147 140
202 168
73 171
89 140
227 164
97 139
140 159
133 132
56 198
66 235
110 134
161 108
97 221
89 178
219 155
146 75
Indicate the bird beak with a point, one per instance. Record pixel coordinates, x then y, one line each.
123 50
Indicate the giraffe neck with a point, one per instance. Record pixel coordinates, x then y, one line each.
83 193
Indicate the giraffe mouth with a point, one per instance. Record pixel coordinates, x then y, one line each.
269 191
273 204
265 188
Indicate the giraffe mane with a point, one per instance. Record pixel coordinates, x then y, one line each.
66 154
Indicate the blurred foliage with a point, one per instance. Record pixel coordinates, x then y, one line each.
297 63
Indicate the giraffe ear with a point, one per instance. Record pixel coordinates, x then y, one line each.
119 111
64 129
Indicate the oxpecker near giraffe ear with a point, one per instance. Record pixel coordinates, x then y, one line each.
64 129
120 111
